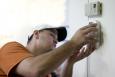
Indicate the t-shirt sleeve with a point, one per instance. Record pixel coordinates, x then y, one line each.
11 54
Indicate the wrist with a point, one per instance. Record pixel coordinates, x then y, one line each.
70 62
75 45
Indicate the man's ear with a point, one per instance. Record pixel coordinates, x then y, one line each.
36 33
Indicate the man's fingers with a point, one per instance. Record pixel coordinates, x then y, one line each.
87 51
90 30
81 54
88 26
90 48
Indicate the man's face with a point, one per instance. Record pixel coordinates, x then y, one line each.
48 39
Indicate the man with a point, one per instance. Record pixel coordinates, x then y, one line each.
40 57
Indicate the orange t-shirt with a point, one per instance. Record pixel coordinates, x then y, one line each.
10 55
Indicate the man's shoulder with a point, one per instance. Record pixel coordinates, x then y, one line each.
12 44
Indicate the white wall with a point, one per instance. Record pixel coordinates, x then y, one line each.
18 17
102 62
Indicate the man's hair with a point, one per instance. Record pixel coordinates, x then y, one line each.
30 38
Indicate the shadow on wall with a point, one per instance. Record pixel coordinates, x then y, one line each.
100 64
97 60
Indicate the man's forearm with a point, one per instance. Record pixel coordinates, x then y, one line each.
47 62
66 70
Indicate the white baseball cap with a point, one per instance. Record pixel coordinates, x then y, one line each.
62 31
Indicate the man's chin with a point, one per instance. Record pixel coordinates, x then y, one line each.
49 50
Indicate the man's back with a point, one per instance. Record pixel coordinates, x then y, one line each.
10 55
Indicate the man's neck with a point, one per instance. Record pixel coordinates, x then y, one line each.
35 51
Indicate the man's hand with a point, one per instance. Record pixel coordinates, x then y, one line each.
83 52
83 35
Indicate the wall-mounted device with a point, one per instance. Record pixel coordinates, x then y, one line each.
93 9
99 35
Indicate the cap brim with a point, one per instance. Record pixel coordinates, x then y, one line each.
62 33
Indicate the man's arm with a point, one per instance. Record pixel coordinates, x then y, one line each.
41 65
77 56
44 64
